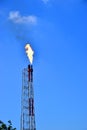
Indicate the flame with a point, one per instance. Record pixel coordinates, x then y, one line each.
29 52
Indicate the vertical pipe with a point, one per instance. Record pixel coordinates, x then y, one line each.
29 72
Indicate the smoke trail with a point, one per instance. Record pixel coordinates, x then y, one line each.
22 26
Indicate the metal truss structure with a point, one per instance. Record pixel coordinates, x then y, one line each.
27 100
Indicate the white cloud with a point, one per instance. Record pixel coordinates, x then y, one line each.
45 1
17 18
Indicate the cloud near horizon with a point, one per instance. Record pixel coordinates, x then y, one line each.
16 17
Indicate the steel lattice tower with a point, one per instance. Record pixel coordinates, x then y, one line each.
27 100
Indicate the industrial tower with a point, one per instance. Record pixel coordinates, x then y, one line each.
27 100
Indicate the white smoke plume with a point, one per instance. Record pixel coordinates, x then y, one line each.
16 17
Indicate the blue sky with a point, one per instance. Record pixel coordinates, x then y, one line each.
57 32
